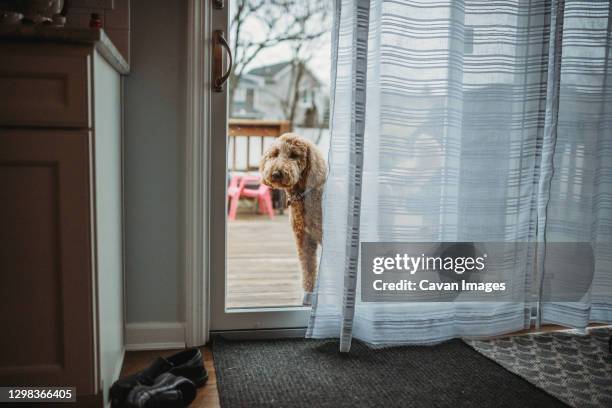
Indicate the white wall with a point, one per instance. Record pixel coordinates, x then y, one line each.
154 157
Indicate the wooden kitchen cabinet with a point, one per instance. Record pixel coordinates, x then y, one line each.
46 258
61 234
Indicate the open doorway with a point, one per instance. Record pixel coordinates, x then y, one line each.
279 84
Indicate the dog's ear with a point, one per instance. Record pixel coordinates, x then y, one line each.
262 165
316 169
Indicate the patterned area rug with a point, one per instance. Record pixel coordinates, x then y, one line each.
575 368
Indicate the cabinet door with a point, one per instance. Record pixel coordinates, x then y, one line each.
44 86
46 316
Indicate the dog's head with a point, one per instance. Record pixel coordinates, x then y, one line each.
292 161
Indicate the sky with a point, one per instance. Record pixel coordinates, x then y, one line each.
321 53
319 64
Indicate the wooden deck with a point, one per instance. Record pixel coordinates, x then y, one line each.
262 264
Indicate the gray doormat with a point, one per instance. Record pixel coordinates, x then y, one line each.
313 373
575 368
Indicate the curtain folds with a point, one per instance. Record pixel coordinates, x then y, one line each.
580 205
466 121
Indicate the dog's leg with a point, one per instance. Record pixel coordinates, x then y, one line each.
308 259
307 253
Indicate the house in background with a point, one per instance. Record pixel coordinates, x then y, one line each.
264 92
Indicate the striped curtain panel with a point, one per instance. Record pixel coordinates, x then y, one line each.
466 121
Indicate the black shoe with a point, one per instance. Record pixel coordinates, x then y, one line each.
168 391
187 363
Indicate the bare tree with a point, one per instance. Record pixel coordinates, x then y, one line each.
297 72
260 24
298 66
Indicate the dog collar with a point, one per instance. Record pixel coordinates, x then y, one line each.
294 198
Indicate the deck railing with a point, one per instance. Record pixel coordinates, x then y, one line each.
251 130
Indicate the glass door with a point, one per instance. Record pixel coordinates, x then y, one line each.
279 83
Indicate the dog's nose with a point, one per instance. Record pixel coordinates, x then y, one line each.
277 175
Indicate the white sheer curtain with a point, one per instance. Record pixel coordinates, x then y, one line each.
579 208
466 121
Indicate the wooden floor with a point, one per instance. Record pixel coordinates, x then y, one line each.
262 264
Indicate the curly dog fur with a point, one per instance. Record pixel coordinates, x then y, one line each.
295 165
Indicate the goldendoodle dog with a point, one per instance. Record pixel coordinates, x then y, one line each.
295 165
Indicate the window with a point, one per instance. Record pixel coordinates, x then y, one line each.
250 98
240 94
306 97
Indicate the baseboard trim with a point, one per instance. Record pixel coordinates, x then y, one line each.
154 336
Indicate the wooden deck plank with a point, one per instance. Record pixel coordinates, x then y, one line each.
262 265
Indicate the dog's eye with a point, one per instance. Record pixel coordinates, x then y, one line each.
274 153
293 155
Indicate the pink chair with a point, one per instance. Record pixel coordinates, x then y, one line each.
237 189
233 193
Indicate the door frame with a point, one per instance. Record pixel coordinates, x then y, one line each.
205 205
197 132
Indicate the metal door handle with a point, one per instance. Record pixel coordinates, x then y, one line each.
220 44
